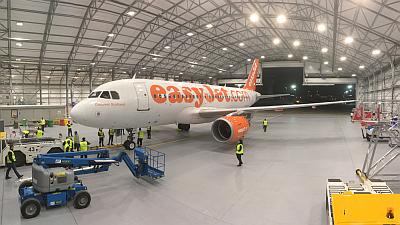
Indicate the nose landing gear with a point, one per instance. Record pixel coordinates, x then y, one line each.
130 144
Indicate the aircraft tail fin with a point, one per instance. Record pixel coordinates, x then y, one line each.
251 80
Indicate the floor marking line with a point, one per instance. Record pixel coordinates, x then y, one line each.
167 142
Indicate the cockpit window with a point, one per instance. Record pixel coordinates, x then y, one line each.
114 95
105 95
94 94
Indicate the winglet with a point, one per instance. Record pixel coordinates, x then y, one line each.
251 80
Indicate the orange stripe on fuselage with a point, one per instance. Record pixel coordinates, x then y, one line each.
173 94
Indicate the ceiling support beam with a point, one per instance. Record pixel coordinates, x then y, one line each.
335 30
66 91
9 49
50 14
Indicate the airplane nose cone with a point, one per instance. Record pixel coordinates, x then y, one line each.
77 114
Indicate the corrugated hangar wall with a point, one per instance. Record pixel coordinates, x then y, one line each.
382 86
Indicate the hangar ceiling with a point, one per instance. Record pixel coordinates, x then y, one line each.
193 39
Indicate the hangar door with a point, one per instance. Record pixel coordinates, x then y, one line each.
142 97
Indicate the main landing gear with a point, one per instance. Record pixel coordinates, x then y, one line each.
130 144
184 127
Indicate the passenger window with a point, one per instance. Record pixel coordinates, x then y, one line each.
105 95
94 94
114 95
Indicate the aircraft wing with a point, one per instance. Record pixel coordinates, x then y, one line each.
215 112
271 96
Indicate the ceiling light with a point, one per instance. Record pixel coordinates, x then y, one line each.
20 24
376 52
208 26
19 44
231 65
220 71
354 75
324 50
348 40
15 66
154 58
224 49
305 57
204 57
276 41
48 77
326 63
296 43
156 55
321 27
92 63
100 51
123 71
192 66
102 78
281 18
339 69
17 60
19 39
241 44
167 47
254 17
343 58
263 57
131 13
248 60
361 67
210 77
180 73
190 34
74 77
101 46
290 56
111 35
143 68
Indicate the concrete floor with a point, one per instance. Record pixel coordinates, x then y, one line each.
282 180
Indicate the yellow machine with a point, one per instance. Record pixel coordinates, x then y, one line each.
368 203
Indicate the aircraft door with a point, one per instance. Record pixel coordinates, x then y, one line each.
142 97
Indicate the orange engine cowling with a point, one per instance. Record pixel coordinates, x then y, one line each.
229 128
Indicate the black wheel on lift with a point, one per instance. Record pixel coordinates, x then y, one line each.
27 183
20 158
129 145
184 127
30 208
82 200
55 150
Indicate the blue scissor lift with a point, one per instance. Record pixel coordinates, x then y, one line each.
55 180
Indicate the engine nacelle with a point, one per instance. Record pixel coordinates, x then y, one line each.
229 128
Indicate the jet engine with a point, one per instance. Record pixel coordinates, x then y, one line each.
229 128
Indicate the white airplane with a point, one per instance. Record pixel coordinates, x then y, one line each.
135 103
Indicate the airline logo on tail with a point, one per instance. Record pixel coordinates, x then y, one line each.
251 80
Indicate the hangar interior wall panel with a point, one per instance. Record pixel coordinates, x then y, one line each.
382 87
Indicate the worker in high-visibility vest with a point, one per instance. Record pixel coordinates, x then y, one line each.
100 134
265 124
69 126
239 152
42 124
110 136
68 144
140 137
25 133
10 163
84 146
39 133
